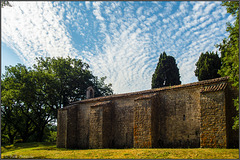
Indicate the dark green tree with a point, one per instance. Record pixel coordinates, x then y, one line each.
14 96
28 101
166 72
30 97
229 49
100 88
207 66
73 77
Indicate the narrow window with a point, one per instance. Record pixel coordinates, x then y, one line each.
91 94
196 132
184 117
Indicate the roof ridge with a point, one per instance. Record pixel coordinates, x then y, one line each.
204 82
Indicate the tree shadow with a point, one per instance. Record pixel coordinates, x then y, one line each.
18 146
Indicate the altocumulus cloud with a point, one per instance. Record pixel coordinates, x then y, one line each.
120 40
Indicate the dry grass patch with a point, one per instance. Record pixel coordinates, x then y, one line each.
49 151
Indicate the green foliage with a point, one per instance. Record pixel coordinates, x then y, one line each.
30 97
50 133
5 3
229 49
207 66
166 72
72 77
51 136
101 89
236 118
14 93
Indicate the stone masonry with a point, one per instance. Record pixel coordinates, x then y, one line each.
191 115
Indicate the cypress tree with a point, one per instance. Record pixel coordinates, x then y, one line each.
166 72
208 65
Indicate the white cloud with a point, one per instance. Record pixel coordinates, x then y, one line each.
230 19
139 10
168 7
33 29
209 8
87 4
165 20
120 40
151 20
97 10
198 5
183 7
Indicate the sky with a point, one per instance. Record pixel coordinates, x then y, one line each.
121 40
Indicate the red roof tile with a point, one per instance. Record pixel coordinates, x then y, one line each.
213 88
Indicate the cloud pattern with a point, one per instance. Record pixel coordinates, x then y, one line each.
120 40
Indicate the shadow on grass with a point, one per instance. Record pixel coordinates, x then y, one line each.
22 157
48 148
18 146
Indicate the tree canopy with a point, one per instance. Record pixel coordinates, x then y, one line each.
207 66
166 72
5 3
30 97
229 49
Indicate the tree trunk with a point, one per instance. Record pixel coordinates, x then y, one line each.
11 138
40 133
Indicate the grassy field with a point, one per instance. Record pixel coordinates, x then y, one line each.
49 151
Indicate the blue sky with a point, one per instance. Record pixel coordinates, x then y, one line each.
120 40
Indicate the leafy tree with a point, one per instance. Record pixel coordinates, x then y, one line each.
5 3
41 101
13 108
229 49
207 66
73 77
30 97
27 101
166 72
101 89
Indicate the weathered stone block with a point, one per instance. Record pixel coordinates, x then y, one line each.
213 124
100 135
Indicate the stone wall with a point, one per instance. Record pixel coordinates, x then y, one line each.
144 122
190 115
217 111
72 127
83 116
100 134
179 118
67 127
62 129
123 122
213 120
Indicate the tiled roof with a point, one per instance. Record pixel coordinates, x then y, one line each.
146 96
101 103
200 83
216 87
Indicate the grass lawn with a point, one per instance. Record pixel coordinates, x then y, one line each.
49 151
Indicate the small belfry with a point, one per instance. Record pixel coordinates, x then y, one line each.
90 92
